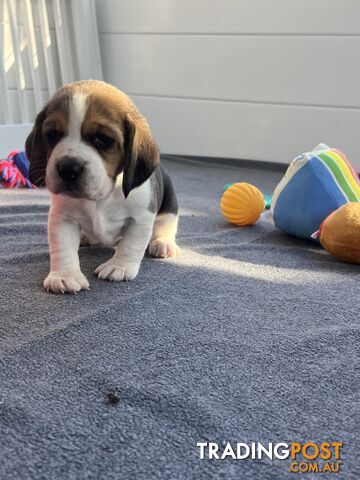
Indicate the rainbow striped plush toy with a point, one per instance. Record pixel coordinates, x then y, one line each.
315 185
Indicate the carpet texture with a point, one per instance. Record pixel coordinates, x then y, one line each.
250 336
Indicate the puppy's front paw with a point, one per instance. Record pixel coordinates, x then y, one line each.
71 282
117 270
163 248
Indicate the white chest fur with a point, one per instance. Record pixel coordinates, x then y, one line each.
104 221
105 224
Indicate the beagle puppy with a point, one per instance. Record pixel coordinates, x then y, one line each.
94 151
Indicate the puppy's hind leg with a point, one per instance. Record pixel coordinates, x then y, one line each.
163 243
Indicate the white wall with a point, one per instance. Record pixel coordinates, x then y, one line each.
251 79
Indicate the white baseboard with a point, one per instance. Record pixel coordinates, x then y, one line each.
12 137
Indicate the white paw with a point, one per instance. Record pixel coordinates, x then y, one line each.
163 248
71 282
117 270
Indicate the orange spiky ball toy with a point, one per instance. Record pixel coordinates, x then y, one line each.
242 204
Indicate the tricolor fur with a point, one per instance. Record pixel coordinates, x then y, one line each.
96 154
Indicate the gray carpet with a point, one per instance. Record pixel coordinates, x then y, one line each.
249 336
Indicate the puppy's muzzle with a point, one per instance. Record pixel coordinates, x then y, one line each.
70 170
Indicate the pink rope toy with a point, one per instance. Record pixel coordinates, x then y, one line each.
14 171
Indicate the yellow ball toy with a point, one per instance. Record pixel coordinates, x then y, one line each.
242 204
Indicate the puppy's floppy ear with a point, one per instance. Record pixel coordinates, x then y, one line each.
141 153
36 151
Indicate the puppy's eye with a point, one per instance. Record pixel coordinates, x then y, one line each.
53 136
102 141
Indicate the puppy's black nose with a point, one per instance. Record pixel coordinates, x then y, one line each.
70 169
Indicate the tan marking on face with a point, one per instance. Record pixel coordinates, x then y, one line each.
107 109
57 118
56 121
98 122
